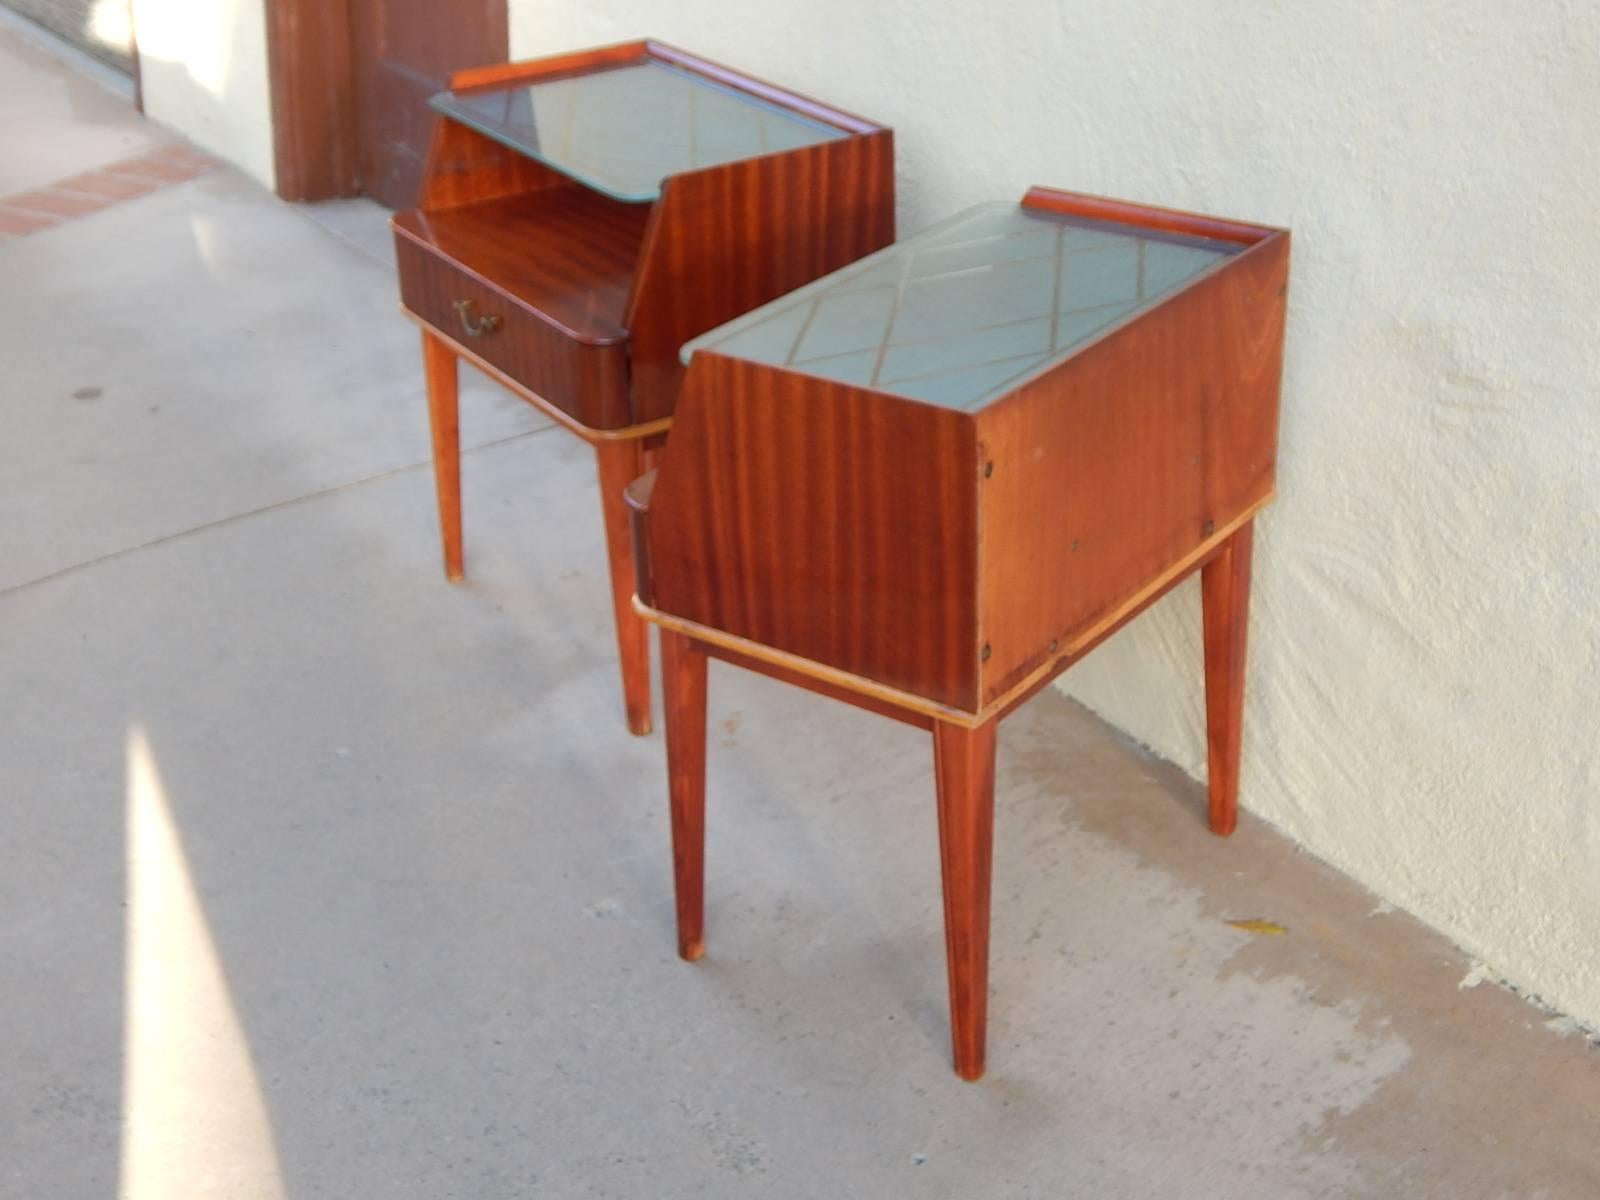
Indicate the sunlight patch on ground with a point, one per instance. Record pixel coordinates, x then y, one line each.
194 1121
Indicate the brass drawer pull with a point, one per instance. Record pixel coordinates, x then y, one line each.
475 326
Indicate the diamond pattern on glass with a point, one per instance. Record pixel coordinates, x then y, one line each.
959 313
625 129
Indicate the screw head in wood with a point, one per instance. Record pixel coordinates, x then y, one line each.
984 653
988 469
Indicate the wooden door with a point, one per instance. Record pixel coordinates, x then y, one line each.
401 53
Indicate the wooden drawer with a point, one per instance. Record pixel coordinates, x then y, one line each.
584 376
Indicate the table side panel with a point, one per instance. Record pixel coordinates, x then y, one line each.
587 380
1122 460
464 167
728 239
825 521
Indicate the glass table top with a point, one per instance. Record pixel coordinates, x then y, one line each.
622 130
962 312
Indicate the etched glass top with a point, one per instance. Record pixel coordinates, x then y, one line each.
963 312
624 129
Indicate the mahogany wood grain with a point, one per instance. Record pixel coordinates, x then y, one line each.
618 464
727 239
939 566
638 495
579 303
566 254
1097 633
465 167
683 689
825 521
963 762
440 373
874 696
1157 435
643 434
309 69
1225 608
556 286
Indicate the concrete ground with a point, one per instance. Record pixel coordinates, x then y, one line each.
322 878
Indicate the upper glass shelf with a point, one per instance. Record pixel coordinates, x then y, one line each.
959 314
622 130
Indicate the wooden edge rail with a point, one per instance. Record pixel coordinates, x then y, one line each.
625 433
792 665
872 695
1172 220
478 79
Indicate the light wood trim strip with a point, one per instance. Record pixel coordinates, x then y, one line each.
804 666
1081 645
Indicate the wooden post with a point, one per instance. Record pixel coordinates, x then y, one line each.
1225 613
439 369
963 761
683 686
619 462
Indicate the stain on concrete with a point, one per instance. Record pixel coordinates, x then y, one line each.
1377 1021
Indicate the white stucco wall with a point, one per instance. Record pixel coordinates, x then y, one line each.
203 67
1424 699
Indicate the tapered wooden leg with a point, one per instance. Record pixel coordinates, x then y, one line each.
439 369
963 761
1225 609
683 687
619 463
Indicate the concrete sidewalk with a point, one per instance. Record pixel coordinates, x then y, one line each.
323 878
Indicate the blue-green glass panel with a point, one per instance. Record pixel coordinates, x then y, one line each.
963 312
622 130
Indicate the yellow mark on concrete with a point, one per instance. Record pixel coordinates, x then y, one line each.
1257 925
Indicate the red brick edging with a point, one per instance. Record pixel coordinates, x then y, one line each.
81 195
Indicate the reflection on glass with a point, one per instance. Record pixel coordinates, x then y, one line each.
625 129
